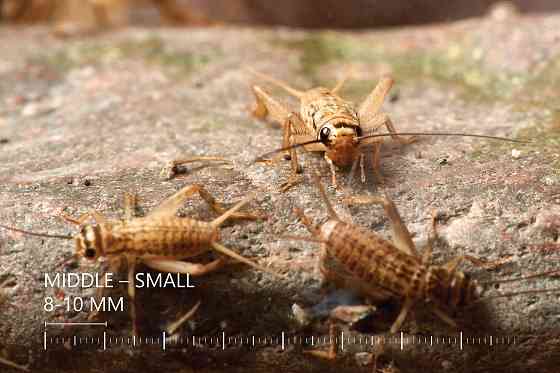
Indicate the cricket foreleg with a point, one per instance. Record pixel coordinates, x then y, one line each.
333 170
113 267
401 236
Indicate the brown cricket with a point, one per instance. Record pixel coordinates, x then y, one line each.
330 124
394 270
160 240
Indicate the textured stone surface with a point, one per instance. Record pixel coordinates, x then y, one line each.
84 120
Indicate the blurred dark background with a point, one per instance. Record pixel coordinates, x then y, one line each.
295 13
355 13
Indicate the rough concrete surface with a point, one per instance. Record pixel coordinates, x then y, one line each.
84 120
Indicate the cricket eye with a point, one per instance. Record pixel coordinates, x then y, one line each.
324 134
90 253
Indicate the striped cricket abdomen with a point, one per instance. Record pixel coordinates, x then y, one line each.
374 260
172 237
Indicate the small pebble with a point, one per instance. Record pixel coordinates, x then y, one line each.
515 154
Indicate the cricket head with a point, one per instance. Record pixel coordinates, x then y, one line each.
341 141
452 289
88 243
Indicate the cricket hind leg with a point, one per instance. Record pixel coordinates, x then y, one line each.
170 206
266 105
176 266
402 238
219 209
100 219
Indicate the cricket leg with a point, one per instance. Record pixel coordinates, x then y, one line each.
333 345
177 324
342 80
401 236
131 261
402 315
291 139
177 266
11 364
307 222
100 219
113 267
266 105
333 171
169 207
219 209
382 119
486 264
130 202
171 169
372 103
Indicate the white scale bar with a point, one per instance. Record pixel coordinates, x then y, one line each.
342 341
282 340
45 341
76 323
163 342
223 340
402 341
461 340
104 340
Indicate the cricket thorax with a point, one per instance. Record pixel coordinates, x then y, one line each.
450 289
335 123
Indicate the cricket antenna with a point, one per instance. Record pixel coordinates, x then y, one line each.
458 134
330 209
537 291
64 237
294 146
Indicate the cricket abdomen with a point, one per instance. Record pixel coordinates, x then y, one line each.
172 237
374 260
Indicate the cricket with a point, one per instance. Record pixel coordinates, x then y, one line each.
330 124
355 257
160 240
